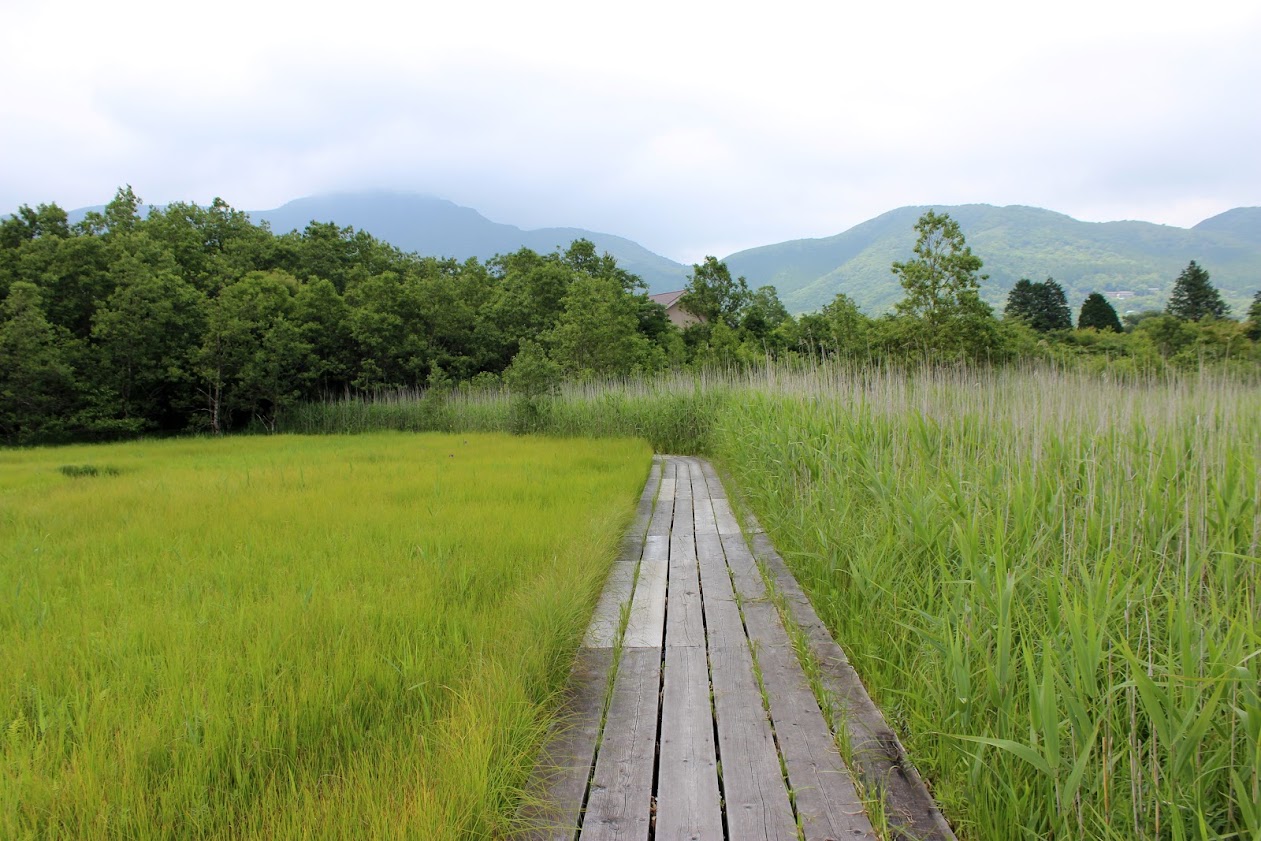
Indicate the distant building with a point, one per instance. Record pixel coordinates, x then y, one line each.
678 316
1121 296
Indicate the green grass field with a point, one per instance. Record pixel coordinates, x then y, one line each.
332 637
1048 579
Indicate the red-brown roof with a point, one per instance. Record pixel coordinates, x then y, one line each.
667 299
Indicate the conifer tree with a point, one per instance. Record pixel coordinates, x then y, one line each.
1096 312
1254 317
1043 306
1194 297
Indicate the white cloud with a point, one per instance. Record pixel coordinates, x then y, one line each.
693 127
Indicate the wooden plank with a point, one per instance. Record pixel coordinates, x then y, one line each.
828 807
755 797
724 517
618 590
687 789
646 624
723 626
554 798
663 513
685 622
703 521
744 571
878 756
827 803
606 621
619 804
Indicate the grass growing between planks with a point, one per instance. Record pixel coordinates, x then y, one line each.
335 637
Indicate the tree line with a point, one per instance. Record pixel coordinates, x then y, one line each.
195 319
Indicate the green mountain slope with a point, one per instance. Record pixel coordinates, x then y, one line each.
1139 258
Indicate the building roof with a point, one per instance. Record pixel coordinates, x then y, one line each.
667 299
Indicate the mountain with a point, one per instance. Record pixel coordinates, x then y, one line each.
1116 258
437 227
1134 263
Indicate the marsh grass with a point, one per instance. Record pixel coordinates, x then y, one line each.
293 637
1046 578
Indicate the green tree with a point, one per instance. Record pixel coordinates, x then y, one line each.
1098 314
840 329
146 336
1043 306
942 312
763 313
253 360
597 333
1254 318
713 295
38 390
581 256
1194 297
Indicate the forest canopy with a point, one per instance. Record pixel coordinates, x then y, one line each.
195 319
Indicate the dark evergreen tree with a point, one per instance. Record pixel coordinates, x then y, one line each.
1096 312
1043 306
1254 318
1194 297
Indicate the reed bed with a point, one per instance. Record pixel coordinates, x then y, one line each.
291 636
1047 578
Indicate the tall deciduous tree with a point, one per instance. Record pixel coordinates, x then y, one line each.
942 311
1043 306
712 294
37 382
1194 297
1098 314
597 333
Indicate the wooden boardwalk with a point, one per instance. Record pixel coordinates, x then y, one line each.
709 729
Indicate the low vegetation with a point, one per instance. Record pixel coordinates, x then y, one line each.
1047 578
292 637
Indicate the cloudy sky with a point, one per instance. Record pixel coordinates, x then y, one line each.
691 127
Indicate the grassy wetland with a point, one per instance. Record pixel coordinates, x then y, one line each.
292 636
1047 579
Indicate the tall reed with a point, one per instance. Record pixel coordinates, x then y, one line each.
1048 578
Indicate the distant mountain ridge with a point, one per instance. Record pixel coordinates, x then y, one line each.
437 227
1135 263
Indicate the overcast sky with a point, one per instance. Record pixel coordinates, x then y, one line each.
693 128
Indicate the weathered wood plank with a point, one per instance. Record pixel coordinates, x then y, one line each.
878 756
755 796
646 624
619 804
560 776
663 513
827 803
687 789
685 623
828 806
744 571
606 621
618 589
724 517
723 627
716 490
